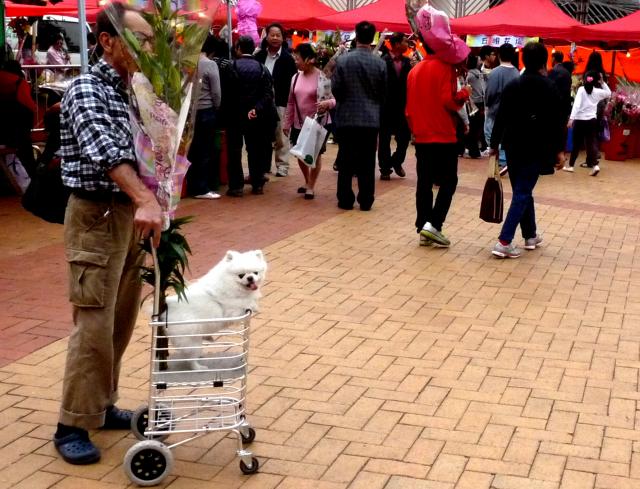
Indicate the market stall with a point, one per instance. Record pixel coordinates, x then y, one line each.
65 7
389 15
625 29
539 18
300 14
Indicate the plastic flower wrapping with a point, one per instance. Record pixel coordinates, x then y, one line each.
412 7
624 106
162 98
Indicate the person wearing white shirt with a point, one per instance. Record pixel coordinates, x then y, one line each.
584 120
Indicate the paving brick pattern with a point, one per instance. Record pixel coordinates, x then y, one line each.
376 363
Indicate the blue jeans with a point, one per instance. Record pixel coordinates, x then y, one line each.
488 129
521 211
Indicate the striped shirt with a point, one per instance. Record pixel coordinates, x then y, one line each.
95 132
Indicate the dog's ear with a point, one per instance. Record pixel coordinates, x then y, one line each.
259 254
230 255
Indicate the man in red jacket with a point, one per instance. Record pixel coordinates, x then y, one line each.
432 105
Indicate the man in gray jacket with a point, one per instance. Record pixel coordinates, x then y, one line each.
498 79
359 86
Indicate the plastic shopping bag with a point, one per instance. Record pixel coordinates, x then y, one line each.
18 172
310 141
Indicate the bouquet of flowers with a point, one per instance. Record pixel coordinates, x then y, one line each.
624 105
162 98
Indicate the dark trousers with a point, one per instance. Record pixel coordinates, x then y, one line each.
400 130
258 141
437 164
475 138
205 163
357 157
585 133
523 179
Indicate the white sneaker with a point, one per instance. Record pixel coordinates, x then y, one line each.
208 196
506 251
570 169
486 153
424 241
532 243
430 232
594 171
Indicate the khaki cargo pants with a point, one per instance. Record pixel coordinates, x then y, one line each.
104 257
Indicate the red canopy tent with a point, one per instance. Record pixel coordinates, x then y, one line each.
385 14
532 18
65 7
295 14
623 29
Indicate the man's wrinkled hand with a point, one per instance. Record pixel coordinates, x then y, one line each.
148 221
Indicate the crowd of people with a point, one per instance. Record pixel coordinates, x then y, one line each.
451 103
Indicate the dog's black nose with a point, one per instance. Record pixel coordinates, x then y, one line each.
250 278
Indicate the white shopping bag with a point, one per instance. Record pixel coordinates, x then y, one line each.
18 171
310 141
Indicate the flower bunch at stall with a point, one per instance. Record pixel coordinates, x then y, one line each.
19 25
624 106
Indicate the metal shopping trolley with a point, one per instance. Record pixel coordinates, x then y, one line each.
191 402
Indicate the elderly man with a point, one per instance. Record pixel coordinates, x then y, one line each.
108 211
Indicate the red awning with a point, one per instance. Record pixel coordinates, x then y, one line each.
298 14
532 18
387 15
65 7
624 29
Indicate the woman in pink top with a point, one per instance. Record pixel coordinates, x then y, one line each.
310 95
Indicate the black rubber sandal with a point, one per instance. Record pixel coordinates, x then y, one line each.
77 449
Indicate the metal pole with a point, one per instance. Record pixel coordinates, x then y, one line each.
84 50
4 54
230 29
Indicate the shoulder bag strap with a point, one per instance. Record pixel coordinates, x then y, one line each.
295 99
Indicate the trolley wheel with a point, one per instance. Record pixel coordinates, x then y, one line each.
147 463
140 423
249 437
251 469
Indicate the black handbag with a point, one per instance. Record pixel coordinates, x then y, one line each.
46 197
492 205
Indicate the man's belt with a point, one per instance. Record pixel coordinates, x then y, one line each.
104 196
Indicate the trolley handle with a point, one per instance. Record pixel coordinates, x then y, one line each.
156 289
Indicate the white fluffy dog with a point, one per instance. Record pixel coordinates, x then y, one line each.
228 290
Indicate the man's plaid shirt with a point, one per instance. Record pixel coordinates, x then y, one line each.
95 132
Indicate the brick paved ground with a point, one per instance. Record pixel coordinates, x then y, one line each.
376 363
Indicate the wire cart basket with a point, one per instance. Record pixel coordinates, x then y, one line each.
187 401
